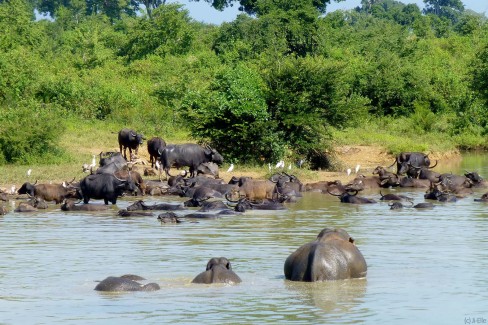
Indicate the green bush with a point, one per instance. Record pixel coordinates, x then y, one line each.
232 115
29 133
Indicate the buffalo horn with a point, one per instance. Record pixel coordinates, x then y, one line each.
434 165
122 180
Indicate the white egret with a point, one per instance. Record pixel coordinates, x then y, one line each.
231 168
357 168
29 172
280 164
269 166
12 189
289 167
348 171
158 165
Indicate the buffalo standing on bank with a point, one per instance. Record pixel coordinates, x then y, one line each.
155 147
129 139
190 155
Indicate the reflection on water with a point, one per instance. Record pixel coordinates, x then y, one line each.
333 297
423 266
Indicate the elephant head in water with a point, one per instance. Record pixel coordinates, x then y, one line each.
332 256
218 270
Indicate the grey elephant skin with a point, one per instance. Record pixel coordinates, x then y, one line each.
218 270
332 256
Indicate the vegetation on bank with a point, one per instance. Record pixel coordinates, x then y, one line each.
286 82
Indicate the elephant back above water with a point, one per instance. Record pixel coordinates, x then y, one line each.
332 256
218 270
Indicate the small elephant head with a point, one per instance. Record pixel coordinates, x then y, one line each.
330 234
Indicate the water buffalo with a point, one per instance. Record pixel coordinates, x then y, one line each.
245 204
396 205
324 186
125 213
411 160
129 139
208 169
49 192
37 202
387 179
71 205
125 283
435 193
200 194
350 197
212 206
169 217
426 173
451 182
362 182
25 207
3 210
136 178
477 180
424 205
394 197
112 157
140 205
483 198
190 155
218 270
413 182
254 190
105 186
332 256
155 147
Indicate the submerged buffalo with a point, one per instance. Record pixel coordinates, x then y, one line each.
218 270
126 282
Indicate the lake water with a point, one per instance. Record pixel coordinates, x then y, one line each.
424 267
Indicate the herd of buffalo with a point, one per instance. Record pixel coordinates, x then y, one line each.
332 256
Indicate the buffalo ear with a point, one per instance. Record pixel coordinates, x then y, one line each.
351 240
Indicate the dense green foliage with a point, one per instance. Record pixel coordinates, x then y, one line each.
286 82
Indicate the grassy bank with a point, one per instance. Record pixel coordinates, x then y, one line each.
82 140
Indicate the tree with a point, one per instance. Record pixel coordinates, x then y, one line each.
449 9
256 7
168 32
282 29
232 115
